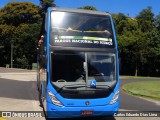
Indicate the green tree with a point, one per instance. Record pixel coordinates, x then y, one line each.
146 19
88 8
16 13
157 22
20 26
139 43
150 27
46 3
6 35
120 22
153 58
26 43
131 42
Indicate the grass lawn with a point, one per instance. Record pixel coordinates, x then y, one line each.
124 76
149 89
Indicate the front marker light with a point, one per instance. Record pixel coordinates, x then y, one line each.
115 97
54 100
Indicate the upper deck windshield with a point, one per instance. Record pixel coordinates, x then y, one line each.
81 29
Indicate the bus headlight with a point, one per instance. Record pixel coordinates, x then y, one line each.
115 97
54 100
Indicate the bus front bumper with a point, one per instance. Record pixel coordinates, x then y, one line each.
71 112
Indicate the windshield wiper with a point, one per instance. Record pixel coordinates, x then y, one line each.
109 87
98 74
70 86
97 31
67 29
80 85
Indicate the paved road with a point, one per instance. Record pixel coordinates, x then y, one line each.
12 70
18 93
130 102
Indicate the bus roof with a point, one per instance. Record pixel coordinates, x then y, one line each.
78 11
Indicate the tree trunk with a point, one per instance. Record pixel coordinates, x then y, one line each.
136 72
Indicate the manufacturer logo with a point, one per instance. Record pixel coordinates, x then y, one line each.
87 103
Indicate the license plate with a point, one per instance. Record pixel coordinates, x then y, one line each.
86 112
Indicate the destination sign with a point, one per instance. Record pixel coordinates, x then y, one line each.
82 41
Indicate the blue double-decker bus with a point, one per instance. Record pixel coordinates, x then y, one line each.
78 66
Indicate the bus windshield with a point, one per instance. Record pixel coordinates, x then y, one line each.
69 68
98 25
81 30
